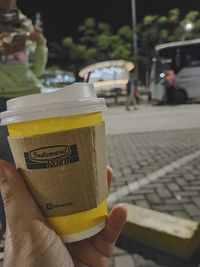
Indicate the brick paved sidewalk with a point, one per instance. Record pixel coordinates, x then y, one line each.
123 259
134 156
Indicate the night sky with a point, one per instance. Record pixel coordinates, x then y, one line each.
62 17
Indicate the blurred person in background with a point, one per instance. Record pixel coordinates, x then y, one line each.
20 41
171 86
131 99
137 96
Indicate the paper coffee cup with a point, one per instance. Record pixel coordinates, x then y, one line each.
58 143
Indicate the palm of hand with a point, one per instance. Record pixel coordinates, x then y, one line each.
30 242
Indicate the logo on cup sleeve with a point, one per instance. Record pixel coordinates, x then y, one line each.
51 156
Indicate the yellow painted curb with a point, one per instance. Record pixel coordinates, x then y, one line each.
173 235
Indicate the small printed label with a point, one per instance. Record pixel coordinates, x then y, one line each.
51 156
51 206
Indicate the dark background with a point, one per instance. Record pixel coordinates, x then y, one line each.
61 18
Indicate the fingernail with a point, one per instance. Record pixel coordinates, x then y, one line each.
2 175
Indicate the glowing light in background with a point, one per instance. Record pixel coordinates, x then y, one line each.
189 26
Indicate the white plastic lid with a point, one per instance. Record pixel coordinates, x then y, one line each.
75 99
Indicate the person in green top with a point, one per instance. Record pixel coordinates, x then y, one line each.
23 58
19 40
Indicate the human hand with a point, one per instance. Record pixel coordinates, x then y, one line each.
1 41
37 36
97 250
3 34
11 43
30 242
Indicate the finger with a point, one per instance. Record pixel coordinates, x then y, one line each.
115 224
84 254
77 263
18 202
109 176
38 29
105 240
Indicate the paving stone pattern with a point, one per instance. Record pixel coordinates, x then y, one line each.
133 156
123 259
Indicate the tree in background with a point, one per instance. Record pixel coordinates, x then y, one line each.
155 30
98 42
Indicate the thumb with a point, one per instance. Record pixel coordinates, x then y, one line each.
18 202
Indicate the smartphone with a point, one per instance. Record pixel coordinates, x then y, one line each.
19 38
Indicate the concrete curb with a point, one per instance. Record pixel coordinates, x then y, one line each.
173 235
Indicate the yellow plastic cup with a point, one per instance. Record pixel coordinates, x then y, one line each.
83 224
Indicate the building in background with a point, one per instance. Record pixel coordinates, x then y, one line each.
54 80
109 77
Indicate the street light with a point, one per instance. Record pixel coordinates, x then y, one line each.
188 27
135 45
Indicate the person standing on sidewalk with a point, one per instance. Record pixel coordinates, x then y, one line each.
131 87
19 40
